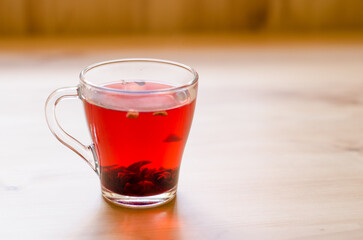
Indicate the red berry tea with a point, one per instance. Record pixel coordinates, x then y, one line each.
140 140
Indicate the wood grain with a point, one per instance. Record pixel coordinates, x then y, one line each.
93 17
275 150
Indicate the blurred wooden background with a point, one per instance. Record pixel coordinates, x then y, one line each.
65 17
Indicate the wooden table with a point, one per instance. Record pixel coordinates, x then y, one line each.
275 150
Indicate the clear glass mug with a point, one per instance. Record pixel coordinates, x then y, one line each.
139 113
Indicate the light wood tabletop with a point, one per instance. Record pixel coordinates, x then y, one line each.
275 150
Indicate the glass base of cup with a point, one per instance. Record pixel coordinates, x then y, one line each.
138 202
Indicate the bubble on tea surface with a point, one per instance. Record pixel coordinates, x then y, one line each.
140 83
136 86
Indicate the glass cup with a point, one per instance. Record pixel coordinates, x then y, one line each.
139 113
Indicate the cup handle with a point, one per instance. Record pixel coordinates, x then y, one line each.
86 152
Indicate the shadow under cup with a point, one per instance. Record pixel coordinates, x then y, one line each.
139 113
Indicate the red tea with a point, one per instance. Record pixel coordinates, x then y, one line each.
140 141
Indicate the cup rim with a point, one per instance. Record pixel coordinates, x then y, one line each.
191 83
